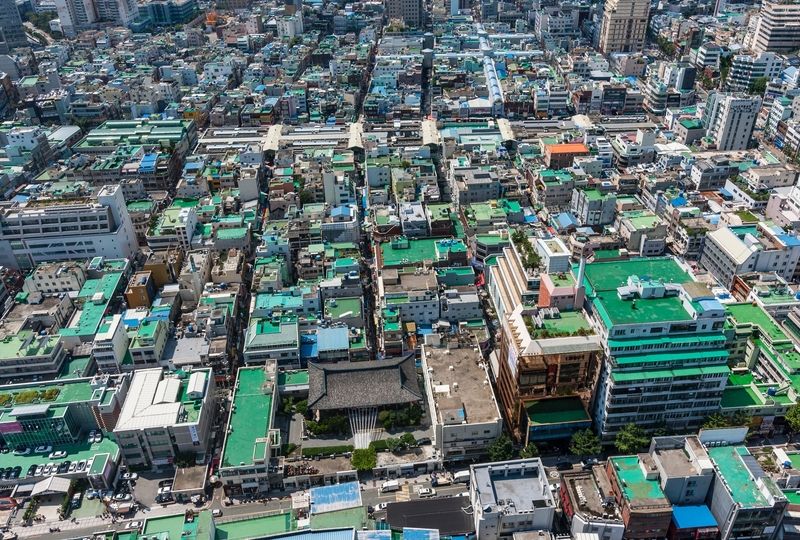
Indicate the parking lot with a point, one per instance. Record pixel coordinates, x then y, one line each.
146 487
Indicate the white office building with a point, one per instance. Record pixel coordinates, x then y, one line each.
44 230
729 120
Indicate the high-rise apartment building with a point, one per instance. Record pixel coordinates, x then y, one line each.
75 15
665 359
409 11
13 34
777 28
729 119
624 26
746 69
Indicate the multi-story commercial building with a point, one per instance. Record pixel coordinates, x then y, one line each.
166 415
75 15
27 354
665 361
409 11
624 26
465 415
730 251
593 208
55 278
646 512
251 441
509 497
729 120
587 501
777 28
44 230
110 345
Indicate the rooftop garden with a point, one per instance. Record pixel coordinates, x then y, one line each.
530 259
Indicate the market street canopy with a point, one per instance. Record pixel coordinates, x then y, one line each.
358 385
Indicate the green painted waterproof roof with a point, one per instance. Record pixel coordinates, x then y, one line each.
355 518
603 278
140 206
255 527
293 377
750 314
741 484
737 397
569 322
172 525
635 486
250 417
607 276
492 240
75 452
92 312
335 308
557 411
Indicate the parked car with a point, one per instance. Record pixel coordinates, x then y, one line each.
564 466
73 467
63 467
81 465
165 483
426 492
130 476
122 497
92 494
39 470
98 437
58 454
216 512
381 506
589 463
22 451
133 525
43 449
31 470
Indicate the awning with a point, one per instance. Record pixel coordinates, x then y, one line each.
54 484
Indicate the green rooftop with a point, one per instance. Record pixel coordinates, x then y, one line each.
94 297
293 377
569 323
750 314
250 417
741 483
257 527
557 411
635 486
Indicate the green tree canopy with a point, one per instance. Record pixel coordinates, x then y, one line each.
793 418
530 451
584 443
364 459
631 439
501 450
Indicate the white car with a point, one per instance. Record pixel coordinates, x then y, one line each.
58 454
43 449
98 437
381 506
464 494
426 492
130 476
216 512
122 497
133 525
90 438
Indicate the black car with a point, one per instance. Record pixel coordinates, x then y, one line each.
63 467
564 466
31 470
16 471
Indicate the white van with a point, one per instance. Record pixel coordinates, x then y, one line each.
390 485
461 477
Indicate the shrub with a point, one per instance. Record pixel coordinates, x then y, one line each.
326 450
364 459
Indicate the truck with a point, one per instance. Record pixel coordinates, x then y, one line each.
461 477
390 485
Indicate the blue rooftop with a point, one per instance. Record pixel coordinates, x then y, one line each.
693 517
335 497
333 339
